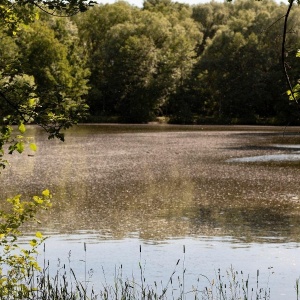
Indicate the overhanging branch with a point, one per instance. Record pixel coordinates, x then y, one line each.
11 104
283 47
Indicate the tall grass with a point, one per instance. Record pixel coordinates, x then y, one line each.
64 285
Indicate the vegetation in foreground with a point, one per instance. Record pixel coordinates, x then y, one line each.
64 285
41 285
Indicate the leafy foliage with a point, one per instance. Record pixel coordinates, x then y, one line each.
43 78
219 61
139 58
18 264
14 13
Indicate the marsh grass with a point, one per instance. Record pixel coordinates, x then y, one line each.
234 286
62 284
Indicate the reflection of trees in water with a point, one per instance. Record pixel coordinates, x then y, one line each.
161 186
250 224
158 211
168 207
150 210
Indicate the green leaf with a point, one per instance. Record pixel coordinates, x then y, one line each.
33 242
33 146
20 147
46 193
32 102
22 128
38 235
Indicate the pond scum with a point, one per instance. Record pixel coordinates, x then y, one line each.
63 285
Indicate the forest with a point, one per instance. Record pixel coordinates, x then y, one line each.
212 63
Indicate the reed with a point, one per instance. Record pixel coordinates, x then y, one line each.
64 285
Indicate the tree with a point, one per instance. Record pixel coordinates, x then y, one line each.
93 27
24 97
129 66
292 50
210 17
243 82
14 13
139 59
60 77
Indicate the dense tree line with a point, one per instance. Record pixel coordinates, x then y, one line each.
208 63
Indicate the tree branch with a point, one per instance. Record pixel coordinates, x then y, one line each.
283 50
15 107
53 13
264 30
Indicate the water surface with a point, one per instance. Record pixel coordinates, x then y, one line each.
162 186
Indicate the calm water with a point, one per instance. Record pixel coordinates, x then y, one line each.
118 187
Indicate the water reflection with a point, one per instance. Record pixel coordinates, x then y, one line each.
162 182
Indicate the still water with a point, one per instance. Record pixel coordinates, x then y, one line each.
119 187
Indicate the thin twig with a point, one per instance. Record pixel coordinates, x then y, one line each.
283 49
264 30
53 13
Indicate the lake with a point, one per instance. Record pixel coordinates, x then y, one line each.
161 187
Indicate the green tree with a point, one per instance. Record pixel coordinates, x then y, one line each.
60 78
244 80
139 59
129 67
93 27
14 13
31 90
210 17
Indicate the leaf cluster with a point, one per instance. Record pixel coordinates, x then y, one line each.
18 264
15 13
43 80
